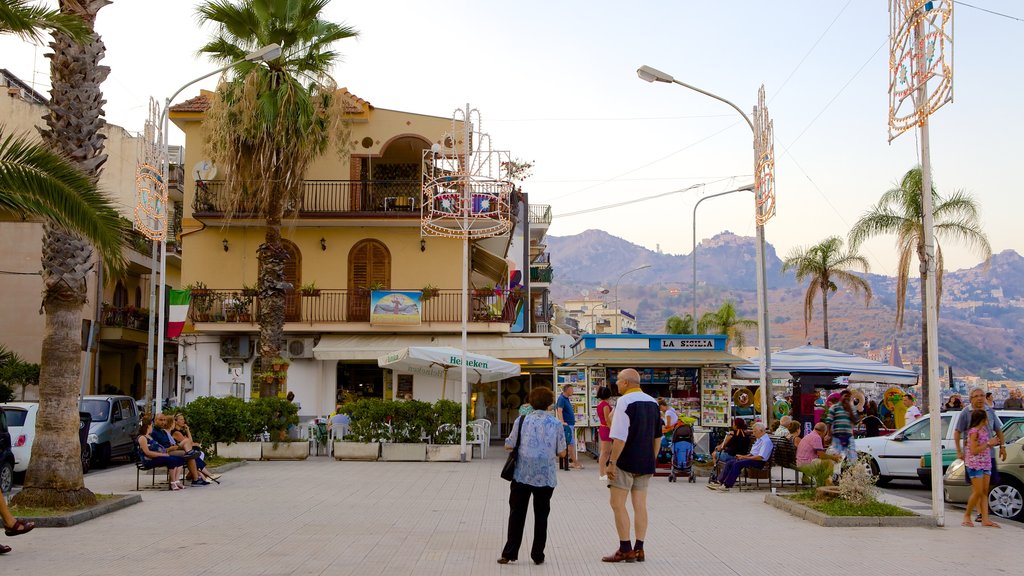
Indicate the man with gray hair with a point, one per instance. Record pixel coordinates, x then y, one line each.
783 430
760 452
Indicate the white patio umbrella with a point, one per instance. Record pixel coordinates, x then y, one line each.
486 368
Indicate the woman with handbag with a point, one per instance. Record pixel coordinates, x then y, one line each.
536 443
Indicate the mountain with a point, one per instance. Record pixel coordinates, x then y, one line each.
981 328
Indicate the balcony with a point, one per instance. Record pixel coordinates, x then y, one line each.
540 215
124 326
539 275
325 199
329 306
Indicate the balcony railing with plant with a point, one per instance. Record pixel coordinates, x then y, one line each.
125 317
322 198
539 274
325 305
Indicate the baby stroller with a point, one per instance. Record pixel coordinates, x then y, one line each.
682 453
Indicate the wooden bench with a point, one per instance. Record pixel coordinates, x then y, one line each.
785 458
141 465
758 474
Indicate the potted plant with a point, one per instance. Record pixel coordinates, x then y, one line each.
241 306
486 290
279 364
249 291
277 415
366 430
445 433
202 301
408 421
428 292
309 289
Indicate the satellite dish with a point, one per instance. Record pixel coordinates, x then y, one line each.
205 170
561 345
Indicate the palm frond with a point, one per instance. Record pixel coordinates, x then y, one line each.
28 22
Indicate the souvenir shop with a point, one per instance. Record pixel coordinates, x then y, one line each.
691 372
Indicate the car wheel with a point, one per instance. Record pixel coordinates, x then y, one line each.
6 476
86 458
1006 500
880 480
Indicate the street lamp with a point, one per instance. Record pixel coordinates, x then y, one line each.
618 312
264 54
747 188
649 74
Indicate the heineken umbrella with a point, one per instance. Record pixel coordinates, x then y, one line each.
422 359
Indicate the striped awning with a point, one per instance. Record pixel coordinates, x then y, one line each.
814 360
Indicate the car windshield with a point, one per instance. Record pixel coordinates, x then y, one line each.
98 409
15 416
921 430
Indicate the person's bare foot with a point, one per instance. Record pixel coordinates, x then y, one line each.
967 522
990 524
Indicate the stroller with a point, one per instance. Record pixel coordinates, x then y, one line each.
682 453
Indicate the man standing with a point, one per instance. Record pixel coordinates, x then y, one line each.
913 412
636 437
760 452
567 416
995 429
1014 401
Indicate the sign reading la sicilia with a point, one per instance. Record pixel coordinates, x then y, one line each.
470 363
687 344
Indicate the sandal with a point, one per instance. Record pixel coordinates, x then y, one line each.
4 549
991 524
19 528
177 486
967 523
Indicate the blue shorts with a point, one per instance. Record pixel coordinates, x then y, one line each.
570 438
977 473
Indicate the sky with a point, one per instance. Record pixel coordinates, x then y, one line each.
555 83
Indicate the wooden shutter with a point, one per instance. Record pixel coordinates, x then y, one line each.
369 263
292 275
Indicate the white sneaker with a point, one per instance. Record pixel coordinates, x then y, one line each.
605 477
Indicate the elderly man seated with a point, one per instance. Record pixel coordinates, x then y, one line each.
812 447
783 430
760 452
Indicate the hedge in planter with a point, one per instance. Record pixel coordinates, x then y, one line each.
229 420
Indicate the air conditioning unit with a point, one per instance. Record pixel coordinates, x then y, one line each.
186 383
235 347
298 348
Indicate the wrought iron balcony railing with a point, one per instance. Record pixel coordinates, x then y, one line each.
339 306
325 198
125 317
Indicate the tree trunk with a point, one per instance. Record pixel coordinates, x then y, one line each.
272 299
74 121
824 311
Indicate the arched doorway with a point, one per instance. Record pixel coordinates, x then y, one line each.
292 275
369 268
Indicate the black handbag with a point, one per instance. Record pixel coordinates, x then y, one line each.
508 471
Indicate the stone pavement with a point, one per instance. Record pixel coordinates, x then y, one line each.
322 517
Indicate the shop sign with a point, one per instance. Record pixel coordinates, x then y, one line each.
687 344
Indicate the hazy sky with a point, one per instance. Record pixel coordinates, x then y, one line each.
555 83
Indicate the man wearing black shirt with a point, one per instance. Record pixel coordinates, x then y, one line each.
636 437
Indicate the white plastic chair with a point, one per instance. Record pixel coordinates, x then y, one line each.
482 434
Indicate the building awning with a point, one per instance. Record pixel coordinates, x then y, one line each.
371 347
649 358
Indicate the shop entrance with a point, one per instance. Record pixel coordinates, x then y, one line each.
513 393
359 380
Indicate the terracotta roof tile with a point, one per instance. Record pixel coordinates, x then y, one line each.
353 104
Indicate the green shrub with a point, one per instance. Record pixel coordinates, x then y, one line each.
225 420
274 415
819 472
377 420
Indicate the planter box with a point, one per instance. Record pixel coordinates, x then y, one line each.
285 450
447 453
243 450
403 452
356 450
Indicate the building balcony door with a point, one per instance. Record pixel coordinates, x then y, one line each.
369 268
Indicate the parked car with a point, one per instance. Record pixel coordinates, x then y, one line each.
6 457
1006 496
924 471
115 422
898 455
21 422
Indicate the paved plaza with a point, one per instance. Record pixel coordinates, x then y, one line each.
322 517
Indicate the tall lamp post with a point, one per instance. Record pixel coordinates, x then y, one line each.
764 205
747 188
154 365
618 313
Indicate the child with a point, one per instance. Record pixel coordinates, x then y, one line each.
978 462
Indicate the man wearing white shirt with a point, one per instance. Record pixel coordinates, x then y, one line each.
760 452
913 412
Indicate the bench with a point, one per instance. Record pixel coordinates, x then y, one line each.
141 465
758 474
785 459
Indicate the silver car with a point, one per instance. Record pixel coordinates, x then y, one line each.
1005 497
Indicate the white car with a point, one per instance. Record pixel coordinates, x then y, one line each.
21 422
899 454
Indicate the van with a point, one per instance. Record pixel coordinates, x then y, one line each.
115 423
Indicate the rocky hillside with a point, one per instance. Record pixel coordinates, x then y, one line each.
982 328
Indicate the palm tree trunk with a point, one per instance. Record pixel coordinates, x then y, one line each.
272 299
824 311
75 118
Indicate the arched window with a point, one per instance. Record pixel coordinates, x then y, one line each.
120 295
369 266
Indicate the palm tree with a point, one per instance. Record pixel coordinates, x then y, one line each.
270 121
899 212
826 265
73 124
679 325
19 18
35 181
725 321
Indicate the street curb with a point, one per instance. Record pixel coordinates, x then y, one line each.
229 466
79 516
821 519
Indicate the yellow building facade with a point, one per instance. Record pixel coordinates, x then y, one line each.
354 235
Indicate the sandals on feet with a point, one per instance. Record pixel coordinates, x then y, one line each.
967 523
19 528
4 549
991 525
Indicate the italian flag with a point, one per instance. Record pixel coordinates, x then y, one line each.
177 311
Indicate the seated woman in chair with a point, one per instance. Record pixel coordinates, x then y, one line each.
182 436
161 433
155 455
736 442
